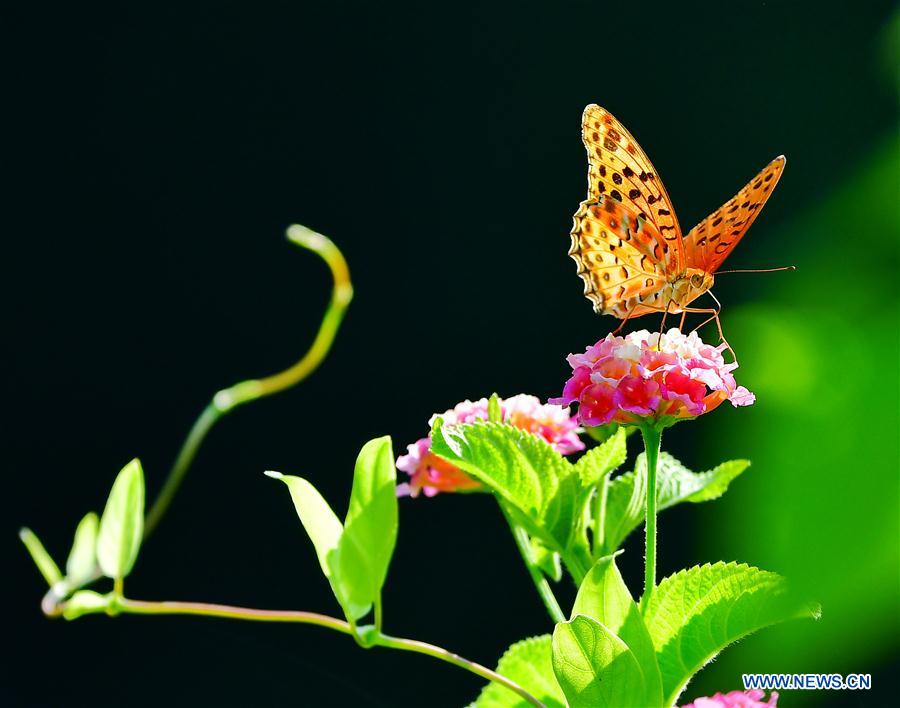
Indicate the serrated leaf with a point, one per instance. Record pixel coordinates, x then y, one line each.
122 523
627 494
598 462
604 597
523 469
709 485
42 559
82 562
528 663
86 602
694 614
355 555
594 668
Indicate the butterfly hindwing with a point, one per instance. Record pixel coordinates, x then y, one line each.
619 257
619 169
710 242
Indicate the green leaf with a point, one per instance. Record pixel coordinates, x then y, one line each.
122 523
44 562
370 529
594 667
325 530
355 555
523 469
627 495
697 612
82 562
322 525
86 602
495 411
529 664
598 462
604 597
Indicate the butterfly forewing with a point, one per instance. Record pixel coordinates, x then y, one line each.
708 244
620 169
619 258
625 238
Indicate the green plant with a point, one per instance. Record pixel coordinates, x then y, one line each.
566 519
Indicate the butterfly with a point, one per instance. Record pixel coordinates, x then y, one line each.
626 240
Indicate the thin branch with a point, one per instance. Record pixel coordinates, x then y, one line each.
537 576
204 609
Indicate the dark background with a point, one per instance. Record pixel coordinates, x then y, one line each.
158 153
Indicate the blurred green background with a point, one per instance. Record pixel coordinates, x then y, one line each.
823 503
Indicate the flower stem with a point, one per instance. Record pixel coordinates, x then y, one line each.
600 517
246 391
140 607
540 582
652 439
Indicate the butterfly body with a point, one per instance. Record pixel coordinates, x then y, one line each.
626 240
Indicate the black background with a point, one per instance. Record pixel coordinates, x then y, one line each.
158 153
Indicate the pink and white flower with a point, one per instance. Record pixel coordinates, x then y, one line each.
647 376
430 474
736 699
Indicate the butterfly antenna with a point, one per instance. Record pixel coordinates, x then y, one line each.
755 270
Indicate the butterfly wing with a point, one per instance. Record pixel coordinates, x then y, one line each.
708 244
619 257
620 169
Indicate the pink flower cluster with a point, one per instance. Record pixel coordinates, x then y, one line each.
430 474
736 699
647 376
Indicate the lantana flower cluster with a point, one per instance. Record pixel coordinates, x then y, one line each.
646 376
736 699
429 474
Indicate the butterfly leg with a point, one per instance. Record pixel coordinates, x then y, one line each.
713 315
662 324
624 322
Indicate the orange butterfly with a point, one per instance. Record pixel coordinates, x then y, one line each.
625 237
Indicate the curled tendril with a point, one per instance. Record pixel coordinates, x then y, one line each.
246 391
222 402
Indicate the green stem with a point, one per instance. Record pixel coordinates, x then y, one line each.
652 440
205 609
600 517
246 391
451 658
523 543
186 455
139 607
379 614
